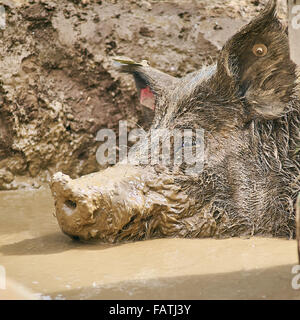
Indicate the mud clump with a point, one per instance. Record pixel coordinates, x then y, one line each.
57 87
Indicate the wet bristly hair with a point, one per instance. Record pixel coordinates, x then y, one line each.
248 104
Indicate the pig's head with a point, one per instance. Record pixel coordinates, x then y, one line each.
248 105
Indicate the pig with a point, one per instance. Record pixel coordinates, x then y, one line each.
248 106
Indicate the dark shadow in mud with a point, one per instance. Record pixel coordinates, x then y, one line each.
269 283
49 244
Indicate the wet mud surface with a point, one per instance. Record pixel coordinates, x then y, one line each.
37 255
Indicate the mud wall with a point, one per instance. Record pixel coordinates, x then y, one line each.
58 86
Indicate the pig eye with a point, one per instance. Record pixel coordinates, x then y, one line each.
260 50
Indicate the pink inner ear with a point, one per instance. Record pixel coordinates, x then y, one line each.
147 98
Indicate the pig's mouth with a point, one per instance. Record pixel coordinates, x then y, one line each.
125 203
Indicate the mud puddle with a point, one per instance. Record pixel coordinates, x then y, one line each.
37 255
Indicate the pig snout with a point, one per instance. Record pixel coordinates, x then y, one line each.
123 202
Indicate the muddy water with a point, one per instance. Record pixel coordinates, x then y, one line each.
37 255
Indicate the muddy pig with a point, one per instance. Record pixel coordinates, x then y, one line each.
247 105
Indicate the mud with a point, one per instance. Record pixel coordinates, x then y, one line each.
57 84
38 256
15 291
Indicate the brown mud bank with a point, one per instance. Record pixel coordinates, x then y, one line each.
37 255
57 85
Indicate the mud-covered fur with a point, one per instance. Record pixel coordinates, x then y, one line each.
249 107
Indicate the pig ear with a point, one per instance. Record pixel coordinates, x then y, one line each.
146 90
243 39
151 83
255 65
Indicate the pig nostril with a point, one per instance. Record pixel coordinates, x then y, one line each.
69 207
71 204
